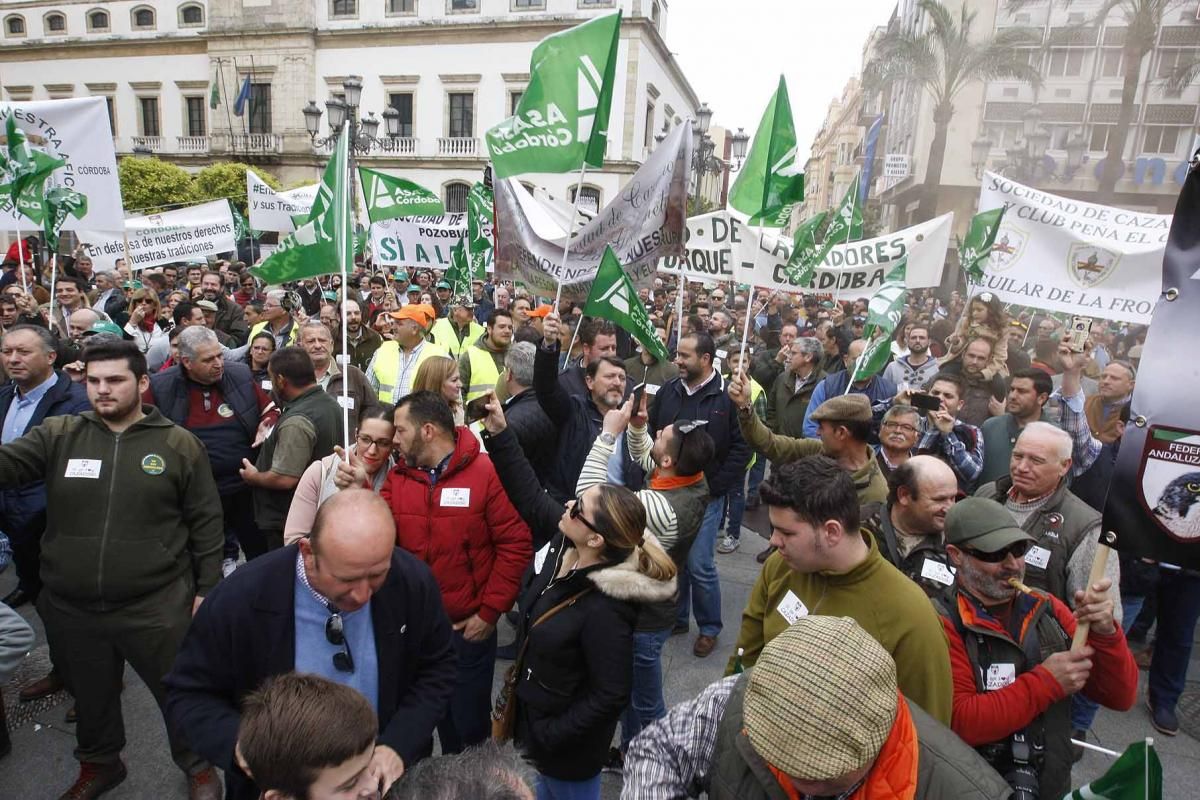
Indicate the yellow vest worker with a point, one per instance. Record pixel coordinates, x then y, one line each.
446 335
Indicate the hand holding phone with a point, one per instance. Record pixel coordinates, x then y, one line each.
924 402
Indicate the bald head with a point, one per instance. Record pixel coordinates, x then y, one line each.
920 492
80 321
349 551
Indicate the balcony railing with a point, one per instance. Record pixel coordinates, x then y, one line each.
257 143
151 143
192 144
458 147
401 146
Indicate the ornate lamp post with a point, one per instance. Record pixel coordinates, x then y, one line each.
704 161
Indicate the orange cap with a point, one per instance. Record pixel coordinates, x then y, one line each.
541 311
419 313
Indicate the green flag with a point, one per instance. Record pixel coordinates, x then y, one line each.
324 244
480 207
561 120
389 197
60 202
27 171
459 273
1136 775
613 298
805 252
214 91
847 222
770 182
975 250
883 315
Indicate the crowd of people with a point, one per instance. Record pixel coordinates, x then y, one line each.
309 542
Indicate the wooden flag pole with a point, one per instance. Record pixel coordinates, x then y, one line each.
1108 539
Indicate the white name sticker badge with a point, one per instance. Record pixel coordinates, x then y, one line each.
791 608
1038 557
937 571
539 559
266 385
456 498
999 675
346 402
83 468
652 389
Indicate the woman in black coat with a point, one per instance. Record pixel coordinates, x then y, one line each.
576 671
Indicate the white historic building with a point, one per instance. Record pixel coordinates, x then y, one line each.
449 68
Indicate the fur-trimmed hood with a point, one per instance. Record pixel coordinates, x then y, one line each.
624 582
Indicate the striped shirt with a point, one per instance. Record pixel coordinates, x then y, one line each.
660 515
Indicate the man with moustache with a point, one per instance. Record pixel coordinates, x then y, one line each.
230 318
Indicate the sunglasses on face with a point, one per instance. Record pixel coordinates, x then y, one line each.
577 514
335 634
1016 550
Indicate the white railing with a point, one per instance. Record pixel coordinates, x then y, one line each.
458 147
400 146
192 144
257 143
151 143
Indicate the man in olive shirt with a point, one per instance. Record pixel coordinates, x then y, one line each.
307 430
825 564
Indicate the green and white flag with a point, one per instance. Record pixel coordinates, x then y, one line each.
771 182
459 273
1136 775
613 298
325 243
61 202
847 222
389 197
480 222
27 170
883 315
561 121
975 250
805 252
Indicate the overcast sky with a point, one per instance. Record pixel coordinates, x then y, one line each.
733 54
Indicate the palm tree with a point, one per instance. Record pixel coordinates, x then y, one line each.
1143 19
942 61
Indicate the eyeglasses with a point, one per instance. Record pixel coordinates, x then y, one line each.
900 426
1016 550
576 512
683 429
335 634
366 442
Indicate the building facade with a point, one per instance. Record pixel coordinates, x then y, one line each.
450 68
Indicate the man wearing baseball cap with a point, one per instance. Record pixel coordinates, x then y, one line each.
458 330
1011 700
819 715
395 363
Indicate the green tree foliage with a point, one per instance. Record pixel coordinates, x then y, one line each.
149 184
228 180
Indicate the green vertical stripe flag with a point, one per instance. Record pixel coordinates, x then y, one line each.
561 120
883 315
27 171
459 273
976 248
770 183
805 252
613 298
61 202
480 222
324 244
389 197
1136 775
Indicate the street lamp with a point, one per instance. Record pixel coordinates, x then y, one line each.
981 148
704 160
704 117
741 140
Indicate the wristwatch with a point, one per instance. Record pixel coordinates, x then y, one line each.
608 438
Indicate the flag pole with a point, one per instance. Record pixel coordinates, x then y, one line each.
341 225
837 286
21 247
679 308
749 303
570 230
1146 767
53 280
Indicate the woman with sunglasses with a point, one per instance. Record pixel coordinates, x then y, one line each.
143 326
262 347
372 448
578 605
983 318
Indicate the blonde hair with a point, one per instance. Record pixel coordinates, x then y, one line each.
621 517
434 372
146 294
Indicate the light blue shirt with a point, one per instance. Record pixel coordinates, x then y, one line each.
22 408
314 653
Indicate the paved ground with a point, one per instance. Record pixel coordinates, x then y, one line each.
41 765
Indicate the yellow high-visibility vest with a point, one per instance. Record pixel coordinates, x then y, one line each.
444 333
386 367
484 372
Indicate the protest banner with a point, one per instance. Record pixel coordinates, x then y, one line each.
77 131
643 223
275 211
1065 255
185 233
1154 500
720 247
420 241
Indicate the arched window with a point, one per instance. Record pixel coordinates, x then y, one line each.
97 21
589 198
14 26
191 15
143 18
456 197
55 22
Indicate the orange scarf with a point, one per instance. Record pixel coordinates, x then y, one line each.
893 776
678 482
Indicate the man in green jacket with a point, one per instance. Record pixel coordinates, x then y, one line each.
132 544
826 564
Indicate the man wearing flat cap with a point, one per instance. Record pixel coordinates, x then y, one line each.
395 363
843 425
826 563
820 715
1011 699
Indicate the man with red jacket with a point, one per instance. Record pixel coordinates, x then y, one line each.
1011 659
452 513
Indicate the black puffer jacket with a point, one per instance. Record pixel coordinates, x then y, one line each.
534 430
